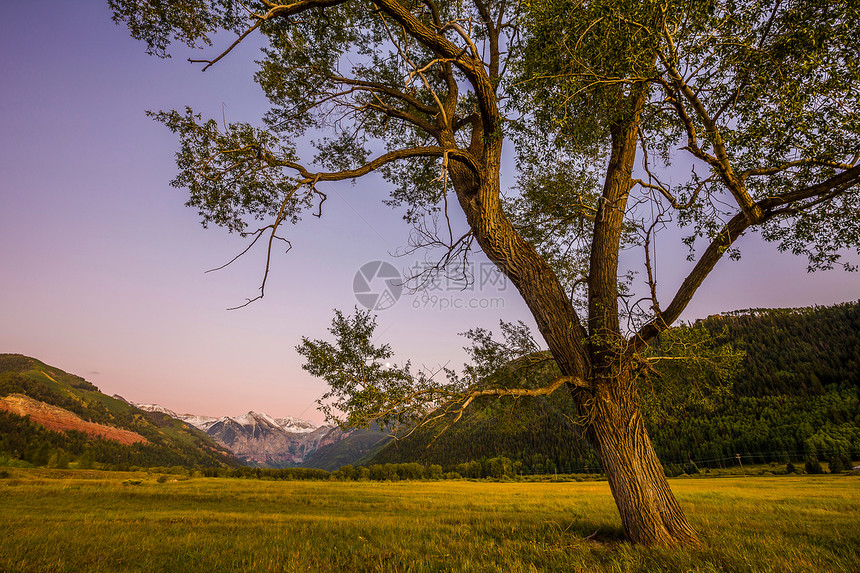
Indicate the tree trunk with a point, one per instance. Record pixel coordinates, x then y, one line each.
649 511
615 428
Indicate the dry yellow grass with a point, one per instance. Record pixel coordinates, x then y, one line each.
95 523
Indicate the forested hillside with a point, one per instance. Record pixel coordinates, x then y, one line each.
795 396
352 448
794 351
50 417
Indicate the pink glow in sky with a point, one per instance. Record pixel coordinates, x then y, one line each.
102 267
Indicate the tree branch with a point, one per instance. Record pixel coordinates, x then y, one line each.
210 63
829 188
458 154
467 399
789 164
721 162
472 67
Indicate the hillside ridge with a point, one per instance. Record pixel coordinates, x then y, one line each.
47 413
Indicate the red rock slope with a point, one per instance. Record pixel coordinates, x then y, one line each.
59 419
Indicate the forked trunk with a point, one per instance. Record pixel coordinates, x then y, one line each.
649 511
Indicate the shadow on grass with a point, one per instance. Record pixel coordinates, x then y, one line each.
587 530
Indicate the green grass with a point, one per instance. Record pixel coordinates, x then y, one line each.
90 521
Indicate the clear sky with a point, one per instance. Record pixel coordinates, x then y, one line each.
102 267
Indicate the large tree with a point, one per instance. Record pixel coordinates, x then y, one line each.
607 102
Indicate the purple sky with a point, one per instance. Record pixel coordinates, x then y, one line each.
102 267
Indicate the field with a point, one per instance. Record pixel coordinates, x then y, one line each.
94 521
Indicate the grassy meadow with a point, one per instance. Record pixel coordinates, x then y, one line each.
99 521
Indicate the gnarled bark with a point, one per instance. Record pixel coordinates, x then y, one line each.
649 511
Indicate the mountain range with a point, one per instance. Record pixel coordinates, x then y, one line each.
46 413
288 424
262 440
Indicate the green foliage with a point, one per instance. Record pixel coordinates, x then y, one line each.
498 468
490 356
836 465
580 57
688 365
15 363
86 461
244 472
159 23
363 383
222 193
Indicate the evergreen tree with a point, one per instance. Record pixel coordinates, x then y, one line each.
813 466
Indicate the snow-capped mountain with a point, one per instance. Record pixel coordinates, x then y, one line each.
200 422
295 425
151 408
257 438
288 424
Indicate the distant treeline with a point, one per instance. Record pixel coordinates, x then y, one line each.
497 468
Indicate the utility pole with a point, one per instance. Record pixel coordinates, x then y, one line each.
738 456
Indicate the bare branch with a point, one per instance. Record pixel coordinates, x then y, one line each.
210 63
258 233
272 237
789 164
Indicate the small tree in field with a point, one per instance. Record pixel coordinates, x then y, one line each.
836 465
813 466
607 102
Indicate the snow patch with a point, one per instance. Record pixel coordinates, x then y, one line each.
199 422
295 425
154 408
